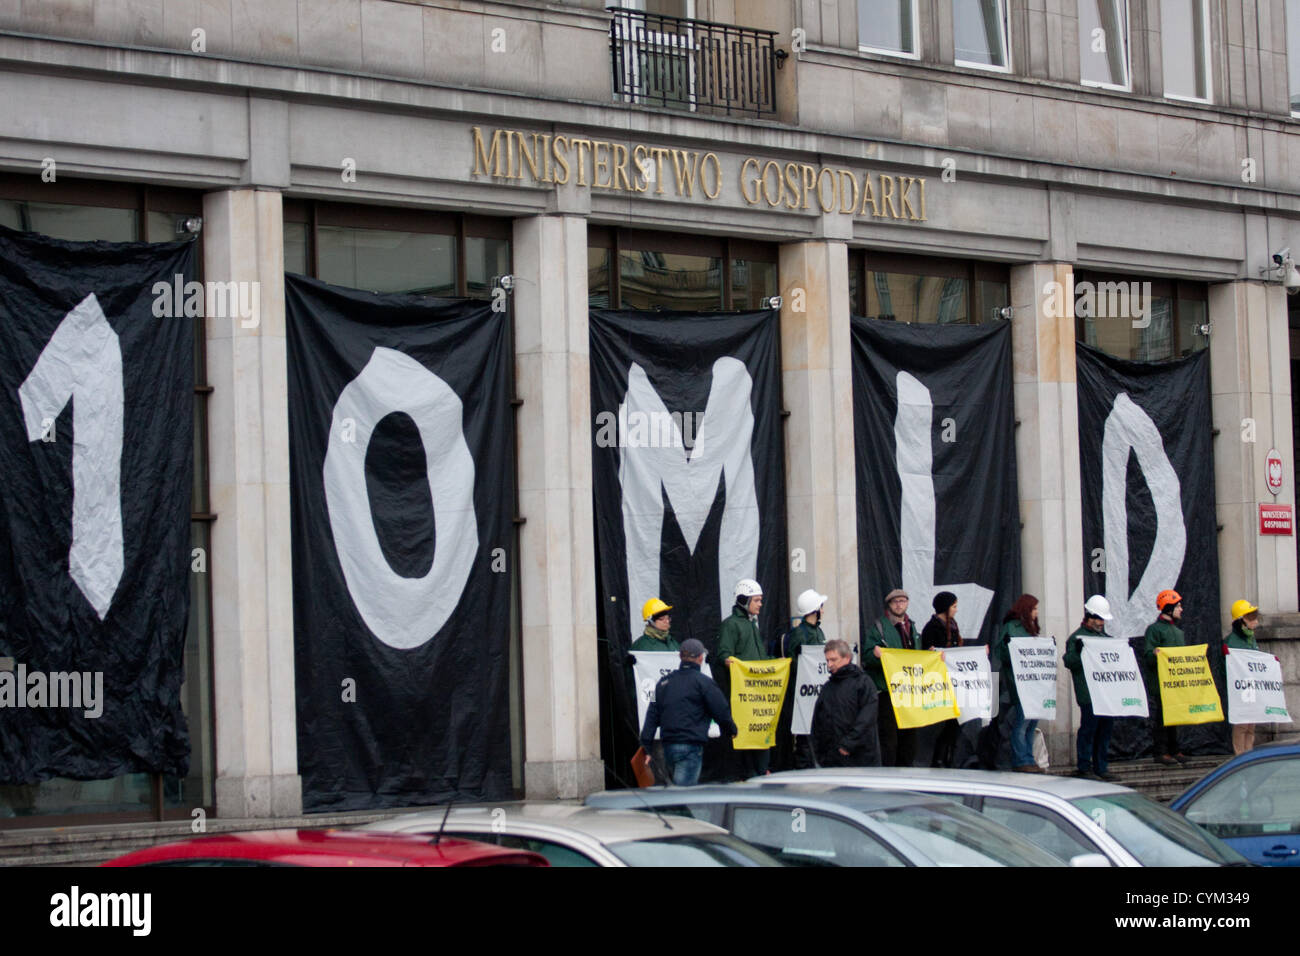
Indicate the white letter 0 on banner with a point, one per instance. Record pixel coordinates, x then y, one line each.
402 612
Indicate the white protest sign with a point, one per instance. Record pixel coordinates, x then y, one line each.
1255 688
1033 664
972 681
650 666
813 673
1114 681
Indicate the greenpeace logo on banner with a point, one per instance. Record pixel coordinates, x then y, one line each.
1130 430
721 455
71 690
649 429
211 299
919 526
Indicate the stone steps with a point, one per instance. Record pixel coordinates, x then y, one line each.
92 845
1158 782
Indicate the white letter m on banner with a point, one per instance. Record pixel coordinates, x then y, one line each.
691 477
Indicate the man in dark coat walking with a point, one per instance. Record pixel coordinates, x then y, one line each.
844 720
685 701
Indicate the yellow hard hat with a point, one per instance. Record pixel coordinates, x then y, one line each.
1241 608
653 608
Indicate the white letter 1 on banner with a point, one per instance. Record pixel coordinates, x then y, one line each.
402 612
1129 427
915 457
82 362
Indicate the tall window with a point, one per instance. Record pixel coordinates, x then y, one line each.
1293 52
980 33
926 290
1103 43
1185 48
1147 320
631 269
887 26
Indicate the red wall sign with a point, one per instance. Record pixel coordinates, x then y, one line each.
1275 519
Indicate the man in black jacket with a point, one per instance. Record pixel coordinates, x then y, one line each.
685 700
844 720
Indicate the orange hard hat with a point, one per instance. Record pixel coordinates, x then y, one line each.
1167 597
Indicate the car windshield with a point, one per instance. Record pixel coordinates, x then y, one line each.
720 850
954 835
1155 835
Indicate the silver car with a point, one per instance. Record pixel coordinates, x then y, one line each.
1066 816
823 825
569 834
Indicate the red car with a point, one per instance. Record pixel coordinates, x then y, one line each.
326 848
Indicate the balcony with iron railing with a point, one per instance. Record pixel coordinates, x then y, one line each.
674 63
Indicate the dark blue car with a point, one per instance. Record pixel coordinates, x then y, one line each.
1252 802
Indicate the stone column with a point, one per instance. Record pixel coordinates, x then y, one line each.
820 478
1048 473
252 586
1250 385
557 540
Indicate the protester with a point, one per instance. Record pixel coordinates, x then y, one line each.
684 703
656 636
940 632
738 637
844 720
1163 632
807 632
1020 621
892 629
1092 744
1245 618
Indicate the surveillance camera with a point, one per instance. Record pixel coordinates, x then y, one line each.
1281 257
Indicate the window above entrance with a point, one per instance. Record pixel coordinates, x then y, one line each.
925 290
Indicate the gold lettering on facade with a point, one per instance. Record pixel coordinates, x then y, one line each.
887 195
792 184
848 196
717 175
744 192
821 201
561 160
485 158
620 168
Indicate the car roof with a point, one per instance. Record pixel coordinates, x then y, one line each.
332 848
965 781
808 795
605 826
1254 755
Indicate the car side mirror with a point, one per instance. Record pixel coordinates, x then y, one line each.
1089 859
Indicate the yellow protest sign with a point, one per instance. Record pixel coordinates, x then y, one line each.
1187 691
919 687
757 692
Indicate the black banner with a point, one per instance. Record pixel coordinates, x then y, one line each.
402 479
96 449
1147 465
938 510
689 483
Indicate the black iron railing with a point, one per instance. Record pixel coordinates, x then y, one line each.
693 64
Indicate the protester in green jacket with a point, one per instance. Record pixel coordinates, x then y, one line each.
1092 745
807 632
892 629
738 637
1245 618
656 637
1163 632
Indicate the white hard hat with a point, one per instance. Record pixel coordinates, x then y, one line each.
1098 606
748 588
808 602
